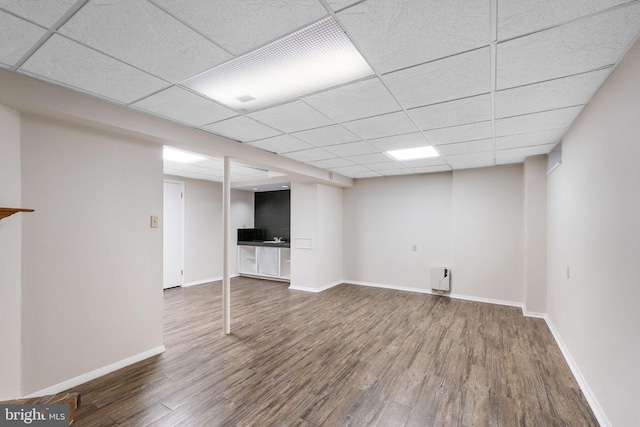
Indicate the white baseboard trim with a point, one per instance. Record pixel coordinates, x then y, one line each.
385 286
203 281
316 290
526 313
73 382
428 291
586 390
487 300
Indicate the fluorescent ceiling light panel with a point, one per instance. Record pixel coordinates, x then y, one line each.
314 58
180 156
413 153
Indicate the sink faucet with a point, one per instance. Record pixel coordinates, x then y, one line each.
278 239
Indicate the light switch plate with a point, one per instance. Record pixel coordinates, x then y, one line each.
154 221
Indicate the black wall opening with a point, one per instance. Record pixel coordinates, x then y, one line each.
272 212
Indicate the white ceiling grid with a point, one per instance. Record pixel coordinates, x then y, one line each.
486 82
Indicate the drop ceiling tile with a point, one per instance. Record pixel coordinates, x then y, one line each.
468 147
240 26
433 161
452 113
281 144
470 132
219 174
381 126
153 41
351 148
328 135
72 64
246 170
447 79
394 35
186 167
549 95
432 169
332 163
561 118
184 106
355 101
399 142
291 117
311 155
517 17
44 13
579 46
177 166
476 160
518 155
17 38
365 159
341 4
549 136
212 164
241 128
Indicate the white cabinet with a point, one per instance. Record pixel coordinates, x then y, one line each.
264 261
247 260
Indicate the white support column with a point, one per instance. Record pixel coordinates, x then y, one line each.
226 236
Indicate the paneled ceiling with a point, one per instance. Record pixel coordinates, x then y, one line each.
485 82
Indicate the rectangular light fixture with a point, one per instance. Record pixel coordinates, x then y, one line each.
413 153
314 58
180 156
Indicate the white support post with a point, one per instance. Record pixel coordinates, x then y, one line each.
226 237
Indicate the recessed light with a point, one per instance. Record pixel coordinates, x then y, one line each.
413 153
284 186
314 58
180 156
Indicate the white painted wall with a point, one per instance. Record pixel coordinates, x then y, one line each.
304 221
594 229
468 220
330 235
316 214
92 266
535 236
385 217
203 228
10 256
487 238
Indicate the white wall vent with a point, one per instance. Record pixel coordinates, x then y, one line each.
440 279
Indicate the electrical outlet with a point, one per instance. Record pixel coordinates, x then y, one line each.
154 221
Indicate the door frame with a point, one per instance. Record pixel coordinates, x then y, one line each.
182 228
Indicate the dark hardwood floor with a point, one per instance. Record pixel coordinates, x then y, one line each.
350 355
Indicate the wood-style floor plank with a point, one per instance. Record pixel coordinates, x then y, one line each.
349 356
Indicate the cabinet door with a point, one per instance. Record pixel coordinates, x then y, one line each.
285 262
268 261
247 261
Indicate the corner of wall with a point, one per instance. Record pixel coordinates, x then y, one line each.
10 257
